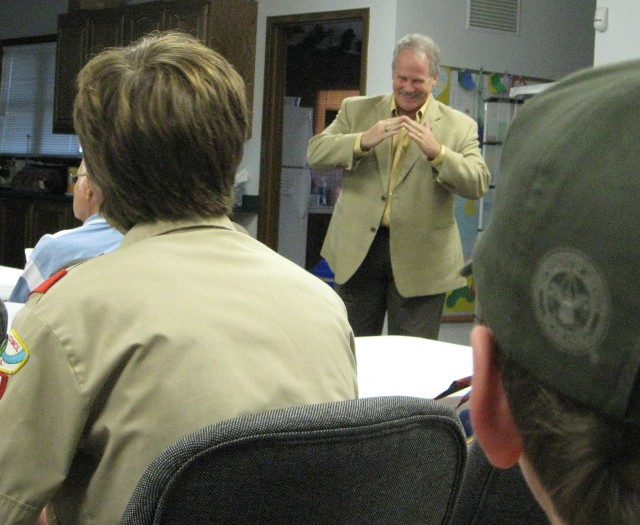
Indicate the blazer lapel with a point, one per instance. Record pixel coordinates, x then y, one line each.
383 152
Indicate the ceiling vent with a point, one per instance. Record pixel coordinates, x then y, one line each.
494 15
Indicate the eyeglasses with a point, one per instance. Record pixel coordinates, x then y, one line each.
74 178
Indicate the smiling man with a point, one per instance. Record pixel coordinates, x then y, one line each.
393 242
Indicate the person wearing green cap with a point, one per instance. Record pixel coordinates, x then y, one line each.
556 356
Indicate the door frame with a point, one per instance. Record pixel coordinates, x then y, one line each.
273 107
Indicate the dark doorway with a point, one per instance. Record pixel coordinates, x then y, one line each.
301 70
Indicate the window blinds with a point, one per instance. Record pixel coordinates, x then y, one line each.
26 103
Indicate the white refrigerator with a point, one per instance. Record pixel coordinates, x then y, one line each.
295 184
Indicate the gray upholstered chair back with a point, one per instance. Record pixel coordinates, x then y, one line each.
387 460
492 496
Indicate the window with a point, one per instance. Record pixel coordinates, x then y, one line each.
26 102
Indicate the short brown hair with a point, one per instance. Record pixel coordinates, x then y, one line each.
588 463
162 124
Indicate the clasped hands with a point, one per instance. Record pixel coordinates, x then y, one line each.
421 134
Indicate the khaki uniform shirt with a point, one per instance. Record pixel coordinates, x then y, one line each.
184 325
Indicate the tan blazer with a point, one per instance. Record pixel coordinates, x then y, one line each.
426 251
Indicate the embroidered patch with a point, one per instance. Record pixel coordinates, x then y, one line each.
3 383
14 354
571 301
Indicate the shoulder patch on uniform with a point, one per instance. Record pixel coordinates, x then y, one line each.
13 354
50 282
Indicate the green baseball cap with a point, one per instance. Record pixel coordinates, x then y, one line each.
557 270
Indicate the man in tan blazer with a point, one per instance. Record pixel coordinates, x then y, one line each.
393 241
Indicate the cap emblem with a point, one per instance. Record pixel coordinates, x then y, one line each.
571 300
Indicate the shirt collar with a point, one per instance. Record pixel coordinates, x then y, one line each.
93 218
419 114
146 230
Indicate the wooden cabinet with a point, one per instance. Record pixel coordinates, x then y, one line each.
25 218
13 232
48 217
104 31
191 17
141 20
232 33
70 57
228 26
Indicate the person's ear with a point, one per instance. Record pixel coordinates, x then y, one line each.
491 417
94 193
88 191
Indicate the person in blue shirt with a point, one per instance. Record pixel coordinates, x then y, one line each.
55 251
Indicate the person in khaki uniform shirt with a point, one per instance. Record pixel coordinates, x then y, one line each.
393 242
189 322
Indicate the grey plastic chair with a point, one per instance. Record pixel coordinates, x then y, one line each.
369 461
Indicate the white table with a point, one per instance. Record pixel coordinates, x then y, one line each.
410 366
8 278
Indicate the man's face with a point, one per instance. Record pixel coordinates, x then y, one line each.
412 82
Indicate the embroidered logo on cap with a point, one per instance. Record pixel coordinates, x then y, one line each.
14 354
571 301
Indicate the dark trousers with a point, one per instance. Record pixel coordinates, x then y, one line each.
371 292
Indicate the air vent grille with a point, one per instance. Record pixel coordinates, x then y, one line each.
496 15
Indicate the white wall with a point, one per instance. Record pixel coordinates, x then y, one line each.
555 36
621 40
